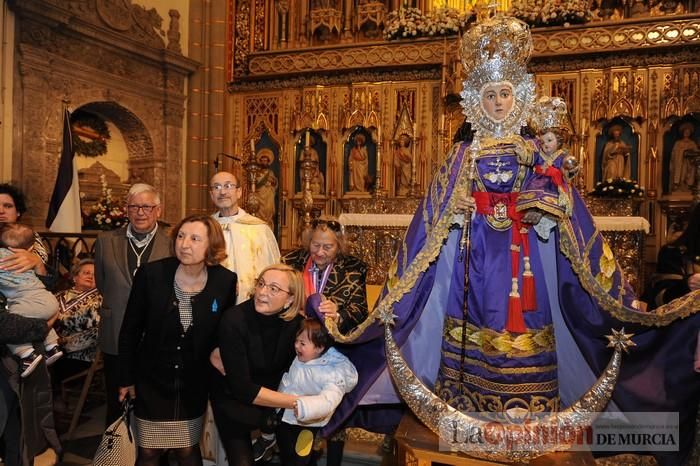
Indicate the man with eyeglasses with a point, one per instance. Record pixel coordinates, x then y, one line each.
250 244
118 254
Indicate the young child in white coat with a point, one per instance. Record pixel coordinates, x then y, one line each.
322 376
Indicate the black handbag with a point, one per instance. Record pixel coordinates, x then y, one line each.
117 447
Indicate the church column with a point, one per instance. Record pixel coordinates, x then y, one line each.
347 28
694 157
207 88
302 17
283 9
7 68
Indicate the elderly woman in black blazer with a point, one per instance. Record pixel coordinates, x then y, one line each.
256 341
169 330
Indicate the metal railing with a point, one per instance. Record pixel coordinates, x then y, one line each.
65 248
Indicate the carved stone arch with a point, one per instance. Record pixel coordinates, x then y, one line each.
322 122
306 120
117 69
373 121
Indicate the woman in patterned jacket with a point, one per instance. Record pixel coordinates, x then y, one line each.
334 281
78 317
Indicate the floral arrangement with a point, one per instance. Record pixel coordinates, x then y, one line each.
106 214
411 22
443 21
551 12
618 188
402 23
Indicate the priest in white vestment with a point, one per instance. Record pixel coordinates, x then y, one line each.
250 244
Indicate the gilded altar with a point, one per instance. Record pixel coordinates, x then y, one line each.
380 115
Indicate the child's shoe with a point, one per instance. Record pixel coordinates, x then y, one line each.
53 355
263 449
29 363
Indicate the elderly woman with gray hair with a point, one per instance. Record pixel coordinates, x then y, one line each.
334 281
78 318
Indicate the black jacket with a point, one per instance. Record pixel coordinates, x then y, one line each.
151 303
37 431
247 368
670 281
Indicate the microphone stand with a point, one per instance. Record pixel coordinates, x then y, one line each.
216 160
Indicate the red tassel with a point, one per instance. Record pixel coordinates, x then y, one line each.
528 293
516 322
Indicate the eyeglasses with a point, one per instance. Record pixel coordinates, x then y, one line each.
332 224
221 187
274 289
147 209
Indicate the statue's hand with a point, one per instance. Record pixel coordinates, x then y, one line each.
532 217
570 166
464 204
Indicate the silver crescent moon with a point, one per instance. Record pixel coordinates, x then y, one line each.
450 424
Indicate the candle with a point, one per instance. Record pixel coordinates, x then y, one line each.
413 156
415 139
442 122
252 146
308 139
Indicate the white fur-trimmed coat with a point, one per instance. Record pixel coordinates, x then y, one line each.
322 382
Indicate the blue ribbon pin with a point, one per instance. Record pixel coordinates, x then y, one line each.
214 306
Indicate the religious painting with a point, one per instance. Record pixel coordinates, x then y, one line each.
617 149
267 180
680 141
318 153
360 161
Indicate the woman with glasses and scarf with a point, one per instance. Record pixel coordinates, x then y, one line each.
256 344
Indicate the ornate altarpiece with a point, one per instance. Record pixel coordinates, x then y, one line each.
642 72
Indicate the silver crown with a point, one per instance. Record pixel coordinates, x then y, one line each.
497 51
550 113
